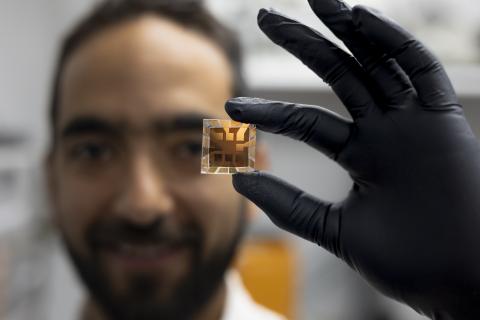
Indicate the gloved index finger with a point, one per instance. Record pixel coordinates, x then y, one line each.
322 129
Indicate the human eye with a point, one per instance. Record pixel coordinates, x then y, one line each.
187 149
91 152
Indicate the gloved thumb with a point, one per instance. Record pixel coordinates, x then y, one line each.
291 208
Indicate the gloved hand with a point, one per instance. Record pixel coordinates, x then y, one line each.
411 223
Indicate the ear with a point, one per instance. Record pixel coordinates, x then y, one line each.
51 185
262 162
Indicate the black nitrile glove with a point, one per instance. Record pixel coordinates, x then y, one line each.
411 223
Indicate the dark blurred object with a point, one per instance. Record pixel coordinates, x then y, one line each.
11 139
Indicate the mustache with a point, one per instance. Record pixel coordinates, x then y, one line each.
159 231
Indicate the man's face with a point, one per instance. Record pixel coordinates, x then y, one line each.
143 226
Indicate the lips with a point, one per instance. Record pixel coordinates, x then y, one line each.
145 256
144 251
158 244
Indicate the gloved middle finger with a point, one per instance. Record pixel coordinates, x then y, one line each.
336 67
388 76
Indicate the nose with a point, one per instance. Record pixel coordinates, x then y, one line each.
145 195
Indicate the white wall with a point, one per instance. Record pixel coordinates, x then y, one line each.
29 35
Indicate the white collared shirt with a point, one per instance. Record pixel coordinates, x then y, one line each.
240 305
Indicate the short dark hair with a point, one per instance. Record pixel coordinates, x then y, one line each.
189 13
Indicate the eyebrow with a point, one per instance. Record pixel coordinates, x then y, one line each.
95 125
88 125
185 122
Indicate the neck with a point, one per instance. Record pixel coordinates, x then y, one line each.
213 309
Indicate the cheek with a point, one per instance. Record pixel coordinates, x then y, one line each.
213 204
79 202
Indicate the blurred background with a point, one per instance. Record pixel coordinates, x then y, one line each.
292 276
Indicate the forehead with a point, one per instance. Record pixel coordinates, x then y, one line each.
143 68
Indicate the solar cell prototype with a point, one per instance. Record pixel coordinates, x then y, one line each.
228 147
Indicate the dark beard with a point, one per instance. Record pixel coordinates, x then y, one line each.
186 299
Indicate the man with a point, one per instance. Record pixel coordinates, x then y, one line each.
150 236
